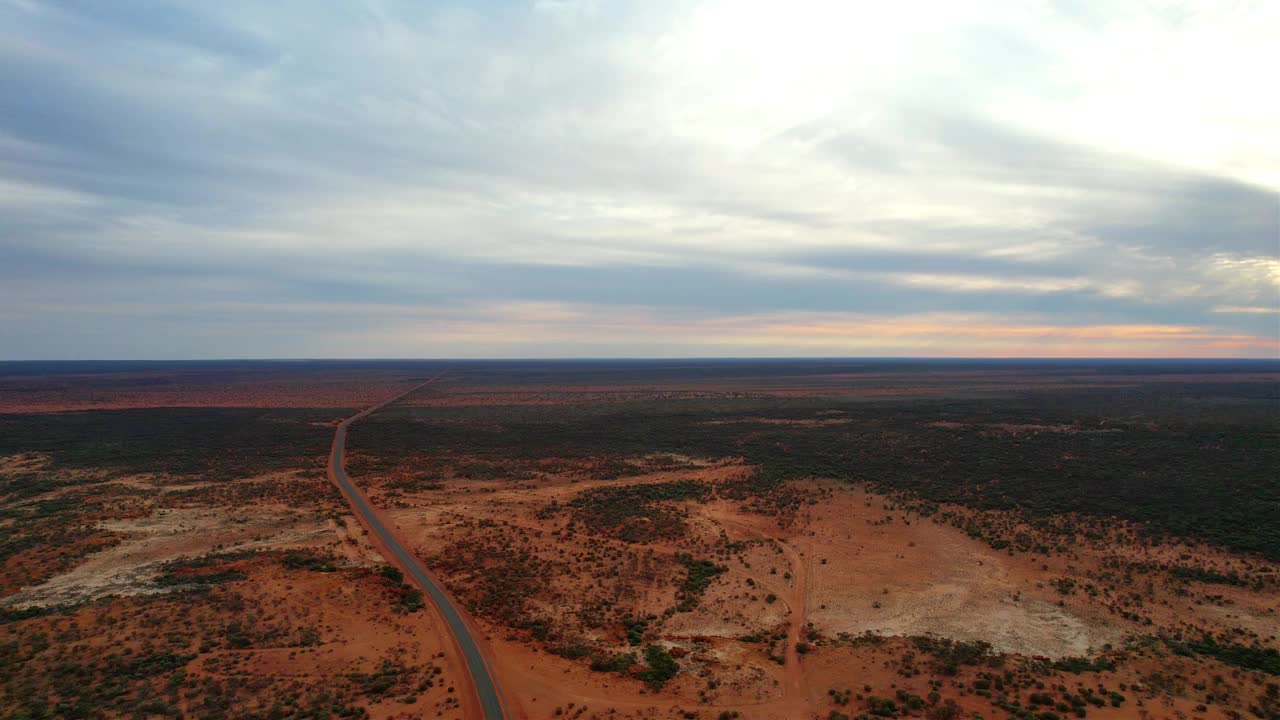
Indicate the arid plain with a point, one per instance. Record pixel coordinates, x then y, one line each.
754 539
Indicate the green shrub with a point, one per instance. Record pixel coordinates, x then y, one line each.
661 666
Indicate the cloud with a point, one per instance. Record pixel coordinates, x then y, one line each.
1237 309
521 328
690 160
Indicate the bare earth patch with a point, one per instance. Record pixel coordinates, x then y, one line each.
895 578
130 567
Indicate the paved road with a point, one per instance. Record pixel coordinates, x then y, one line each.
481 677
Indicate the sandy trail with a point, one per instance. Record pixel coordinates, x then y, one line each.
795 695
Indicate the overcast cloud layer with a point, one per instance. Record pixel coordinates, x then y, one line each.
549 179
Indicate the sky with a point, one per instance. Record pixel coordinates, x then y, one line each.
568 178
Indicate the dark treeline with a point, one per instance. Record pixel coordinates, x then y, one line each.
1198 460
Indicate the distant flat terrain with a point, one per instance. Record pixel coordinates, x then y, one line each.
773 538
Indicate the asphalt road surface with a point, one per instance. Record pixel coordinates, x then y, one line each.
481 677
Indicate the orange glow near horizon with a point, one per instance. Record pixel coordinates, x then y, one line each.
595 331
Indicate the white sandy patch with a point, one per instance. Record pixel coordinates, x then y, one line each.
130 567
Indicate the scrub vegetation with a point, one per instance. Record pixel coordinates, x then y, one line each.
789 539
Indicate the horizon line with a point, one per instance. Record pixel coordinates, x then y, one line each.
657 358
